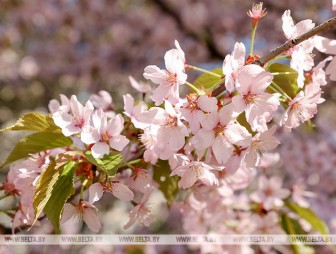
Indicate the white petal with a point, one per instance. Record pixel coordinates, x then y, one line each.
207 104
96 191
119 142
100 149
68 211
122 192
91 219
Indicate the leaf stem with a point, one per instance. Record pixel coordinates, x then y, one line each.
254 29
203 70
199 92
277 87
82 188
283 73
215 86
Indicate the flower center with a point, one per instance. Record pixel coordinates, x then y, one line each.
171 78
219 129
171 121
249 98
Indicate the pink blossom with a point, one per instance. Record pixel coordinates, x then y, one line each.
25 215
302 108
292 31
149 139
119 190
196 170
327 46
220 132
180 52
84 211
104 134
260 143
141 211
73 120
139 180
258 105
140 86
232 64
54 105
171 133
301 54
135 111
318 76
168 80
257 12
270 192
334 5
267 224
192 109
103 101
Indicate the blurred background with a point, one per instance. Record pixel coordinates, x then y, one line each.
48 47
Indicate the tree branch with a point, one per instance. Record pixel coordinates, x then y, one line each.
325 26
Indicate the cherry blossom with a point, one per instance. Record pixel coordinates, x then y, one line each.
327 46
171 132
141 211
257 12
260 143
83 211
302 59
196 170
73 120
135 111
270 192
302 108
104 134
220 132
232 64
168 80
140 86
193 109
258 105
119 190
103 101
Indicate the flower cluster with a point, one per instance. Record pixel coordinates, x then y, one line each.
215 143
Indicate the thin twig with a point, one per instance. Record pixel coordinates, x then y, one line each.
325 26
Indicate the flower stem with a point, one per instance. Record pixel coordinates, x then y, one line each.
283 73
254 29
203 70
199 92
279 89
82 189
210 89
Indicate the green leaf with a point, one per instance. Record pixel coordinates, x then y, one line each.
207 80
44 187
241 119
37 142
34 122
109 163
287 82
61 191
292 227
307 214
168 184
